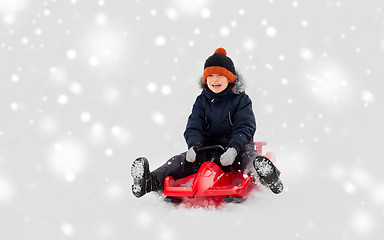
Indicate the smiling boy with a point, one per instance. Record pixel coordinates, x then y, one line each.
221 115
217 83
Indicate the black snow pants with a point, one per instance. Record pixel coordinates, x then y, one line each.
178 167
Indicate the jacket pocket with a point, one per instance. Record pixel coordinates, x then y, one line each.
229 117
206 122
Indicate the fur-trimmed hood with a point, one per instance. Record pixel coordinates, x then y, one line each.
239 85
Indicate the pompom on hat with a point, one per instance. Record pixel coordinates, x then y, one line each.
219 63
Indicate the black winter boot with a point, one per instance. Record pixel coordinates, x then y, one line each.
269 174
143 180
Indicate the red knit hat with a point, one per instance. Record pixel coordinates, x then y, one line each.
219 63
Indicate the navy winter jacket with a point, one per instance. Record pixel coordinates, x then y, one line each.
225 118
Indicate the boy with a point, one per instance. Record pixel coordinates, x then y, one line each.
221 115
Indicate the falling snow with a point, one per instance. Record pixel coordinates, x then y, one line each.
88 86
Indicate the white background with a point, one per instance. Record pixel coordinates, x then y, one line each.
88 86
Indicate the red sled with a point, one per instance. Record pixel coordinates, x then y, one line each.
211 182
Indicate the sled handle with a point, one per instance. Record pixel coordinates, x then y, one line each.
209 148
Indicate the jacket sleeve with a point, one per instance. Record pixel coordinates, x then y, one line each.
244 124
194 132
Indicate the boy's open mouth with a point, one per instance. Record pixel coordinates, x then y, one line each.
216 85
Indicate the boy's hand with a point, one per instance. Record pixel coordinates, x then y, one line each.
191 155
228 157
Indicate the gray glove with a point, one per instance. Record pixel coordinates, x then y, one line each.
191 155
228 157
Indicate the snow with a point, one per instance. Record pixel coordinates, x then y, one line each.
225 31
158 118
152 87
160 40
67 158
88 86
63 99
205 13
166 90
368 97
362 221
7 191
271 31
71 54
67 229
94 61
249 44
171 13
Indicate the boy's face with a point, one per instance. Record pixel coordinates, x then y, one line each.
217 83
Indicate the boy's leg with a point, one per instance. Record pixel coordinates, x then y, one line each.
244 160
250 162
176 167
145 181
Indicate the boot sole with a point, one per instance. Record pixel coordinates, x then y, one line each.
277 187
268 173
139 171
